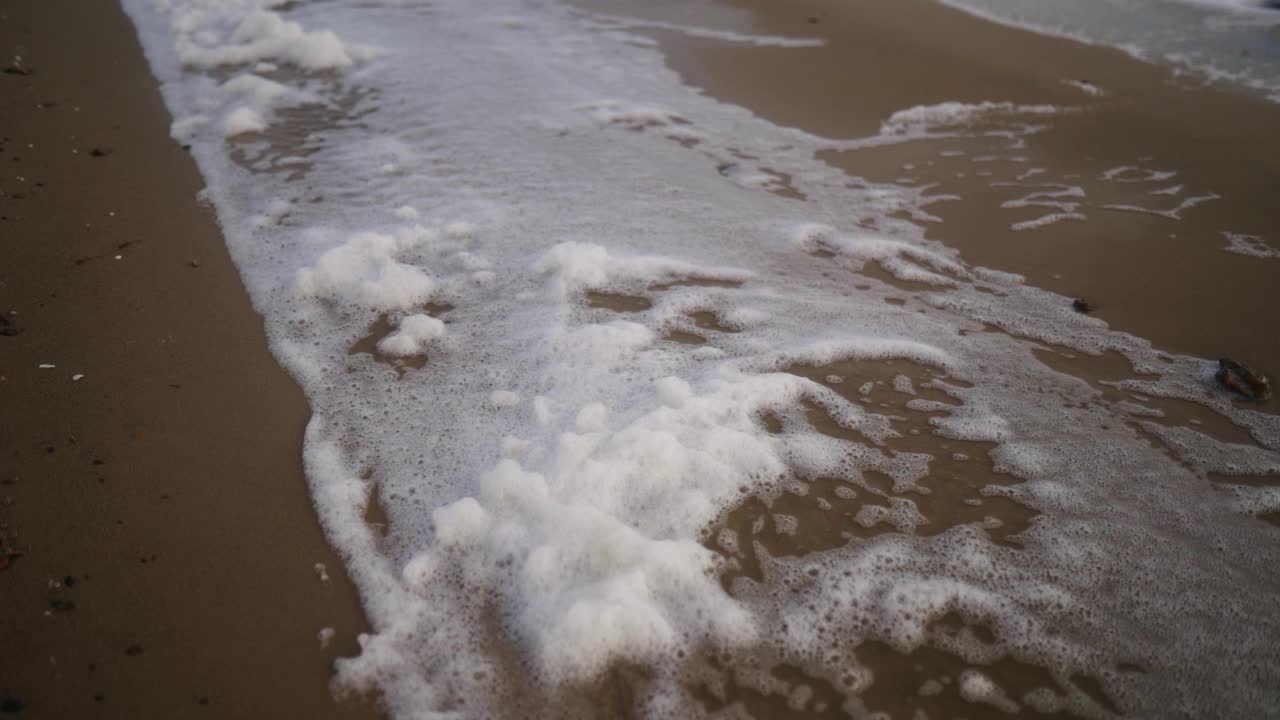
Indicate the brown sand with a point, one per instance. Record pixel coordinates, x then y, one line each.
167 544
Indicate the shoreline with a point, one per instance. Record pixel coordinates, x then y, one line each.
164 547
1132 266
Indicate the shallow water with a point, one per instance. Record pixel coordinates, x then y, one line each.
1231 41
626 400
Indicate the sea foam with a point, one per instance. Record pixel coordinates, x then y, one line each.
589 374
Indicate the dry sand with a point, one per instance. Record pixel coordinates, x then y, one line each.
167 544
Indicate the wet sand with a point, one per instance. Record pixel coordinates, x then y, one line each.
1148 259
1162 279
157 544
1160 166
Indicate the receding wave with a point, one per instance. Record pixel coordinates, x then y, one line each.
625 402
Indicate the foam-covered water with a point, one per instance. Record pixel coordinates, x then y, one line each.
1217 40
618 386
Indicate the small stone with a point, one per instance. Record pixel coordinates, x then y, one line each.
1081 305
1243 379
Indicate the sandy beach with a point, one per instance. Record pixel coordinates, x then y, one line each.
160 555
159 548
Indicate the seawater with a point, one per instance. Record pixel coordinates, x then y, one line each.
623 402
1236 42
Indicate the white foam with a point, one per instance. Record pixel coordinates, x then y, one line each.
1050 198
549 474
978 688
622 22
243 120
575 266
412 335
1048 219
212 34
365 271
504 398
924 118
1174 213
906 261
1086 87
1251 245
259 91
1133 174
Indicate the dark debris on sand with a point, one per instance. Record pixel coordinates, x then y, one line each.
1243 379
8 553
61 605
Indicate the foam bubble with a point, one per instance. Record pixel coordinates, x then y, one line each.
243 120
412 335
204 40
364 270
925 118
504 398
